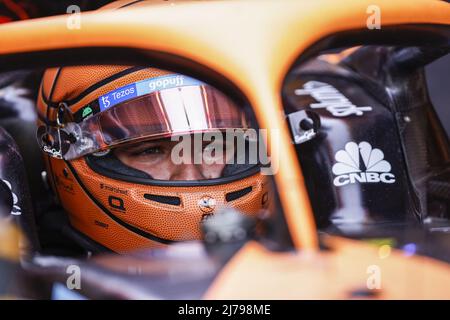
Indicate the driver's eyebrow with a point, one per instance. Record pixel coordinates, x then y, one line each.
138 146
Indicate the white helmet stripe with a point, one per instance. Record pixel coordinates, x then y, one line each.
174 106
193 105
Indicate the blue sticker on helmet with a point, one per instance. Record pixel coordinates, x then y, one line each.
117 96
145 87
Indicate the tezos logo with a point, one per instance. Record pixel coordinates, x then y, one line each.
361 163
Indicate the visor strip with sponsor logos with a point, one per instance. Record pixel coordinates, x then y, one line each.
134 90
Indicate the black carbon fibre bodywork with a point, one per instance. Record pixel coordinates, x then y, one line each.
385 106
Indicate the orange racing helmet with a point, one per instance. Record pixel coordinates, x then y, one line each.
90 115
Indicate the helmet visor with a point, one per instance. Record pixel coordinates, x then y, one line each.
178 110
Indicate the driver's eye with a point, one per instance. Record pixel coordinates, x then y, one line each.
148 151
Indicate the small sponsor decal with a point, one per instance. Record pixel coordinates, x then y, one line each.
113 189
87 111
116 203
207 204
101 224
53 152
117 96
65 183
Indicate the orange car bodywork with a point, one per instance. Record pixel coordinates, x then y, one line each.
351 270
253 44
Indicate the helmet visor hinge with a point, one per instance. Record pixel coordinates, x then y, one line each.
54 140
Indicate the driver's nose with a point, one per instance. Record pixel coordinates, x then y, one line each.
188 172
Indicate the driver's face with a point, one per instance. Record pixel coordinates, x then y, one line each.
155 159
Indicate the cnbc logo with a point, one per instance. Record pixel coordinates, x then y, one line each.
360 163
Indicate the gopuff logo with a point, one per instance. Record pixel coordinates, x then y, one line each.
331 99
361 163
164 82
